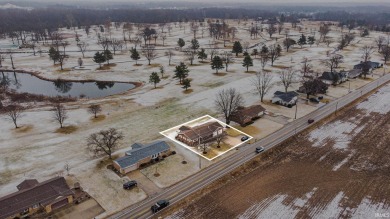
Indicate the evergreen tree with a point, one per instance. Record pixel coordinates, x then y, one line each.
134 55
181 43
311 40
181 72
202 54
54 54
186 83
264 50
237 48
255 52
154 78
107 55
99 58
217 64
194 44
302 40
247 62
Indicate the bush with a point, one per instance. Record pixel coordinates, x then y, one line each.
173 152
164 156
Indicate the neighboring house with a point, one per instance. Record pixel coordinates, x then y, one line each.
200 134
246 115
140 154
354 73
34 196
286 99
372 65
334 77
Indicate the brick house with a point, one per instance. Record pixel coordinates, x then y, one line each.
200 134
34 197
140 154
246 115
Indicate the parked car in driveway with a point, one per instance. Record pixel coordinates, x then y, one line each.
314 100
159 205
259 149
130 184
244 138
310 121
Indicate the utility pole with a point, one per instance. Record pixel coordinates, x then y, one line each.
200 164
296 109
336 108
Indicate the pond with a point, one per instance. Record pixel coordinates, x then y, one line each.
22 82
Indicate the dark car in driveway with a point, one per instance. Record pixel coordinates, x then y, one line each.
244 138
159 205
314 100
259 149
130 184
310 121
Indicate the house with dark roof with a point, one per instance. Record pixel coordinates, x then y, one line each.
140 154
371 65
200 134
246 115
288 99
334 77
34 196
354 73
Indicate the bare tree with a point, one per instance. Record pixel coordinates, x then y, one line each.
262 83
385 51
67 168
324 30
59 113
94 109
116 45
246 45
227 101
149 52
280 27
219 139
271 29
227 58
61 59
169 54
104 141
263 60
380 41
274 53
190 54
366 52
14 112
163 37
83 47
64 44
306 66
333 62
287 77
213 52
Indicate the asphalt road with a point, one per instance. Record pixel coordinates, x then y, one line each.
244 154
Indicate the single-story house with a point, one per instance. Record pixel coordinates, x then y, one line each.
140 154
246 115
354 73
334 77
200 134
286 99
372 65
34 196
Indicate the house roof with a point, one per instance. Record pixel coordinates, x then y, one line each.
372 65
136 145
245 114
42 193
287 97
133 156
200 131
330 76
26 184
354 73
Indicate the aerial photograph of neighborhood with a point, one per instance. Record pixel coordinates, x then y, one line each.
194 109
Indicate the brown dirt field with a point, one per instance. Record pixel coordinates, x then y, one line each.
296 167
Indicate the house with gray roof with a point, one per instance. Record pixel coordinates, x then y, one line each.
140 154
334 77
286 99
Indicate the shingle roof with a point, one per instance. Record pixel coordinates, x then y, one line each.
246 114
26 184
354 73
201 131
42 193
287 97
372 65
133 156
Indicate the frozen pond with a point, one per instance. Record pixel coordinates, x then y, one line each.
28 83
